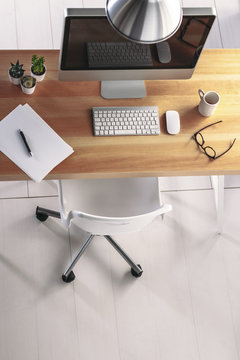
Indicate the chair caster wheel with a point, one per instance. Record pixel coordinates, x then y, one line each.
40 216
134 273
69 278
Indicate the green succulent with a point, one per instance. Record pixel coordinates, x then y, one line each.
16 70
38 65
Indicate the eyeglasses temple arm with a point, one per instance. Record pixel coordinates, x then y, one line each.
205 127
226 150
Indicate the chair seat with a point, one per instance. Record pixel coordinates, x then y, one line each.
121 197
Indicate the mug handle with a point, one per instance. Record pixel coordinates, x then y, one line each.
201 93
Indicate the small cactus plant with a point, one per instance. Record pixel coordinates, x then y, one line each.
28 81
16 70
38 67
28 84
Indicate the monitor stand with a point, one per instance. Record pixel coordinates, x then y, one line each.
123 89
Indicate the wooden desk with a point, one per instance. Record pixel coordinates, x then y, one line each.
66 107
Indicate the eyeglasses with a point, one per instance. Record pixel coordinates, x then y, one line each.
208 150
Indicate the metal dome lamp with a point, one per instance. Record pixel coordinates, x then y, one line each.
144 21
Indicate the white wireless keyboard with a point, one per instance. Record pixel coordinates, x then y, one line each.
132 120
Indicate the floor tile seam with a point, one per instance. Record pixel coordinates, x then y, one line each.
199 189
114 305
231 187
56 196
74 293
28 197
28 190
194 318
231 308
37 330
185 190
150 292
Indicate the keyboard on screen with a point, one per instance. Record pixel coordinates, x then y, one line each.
118 55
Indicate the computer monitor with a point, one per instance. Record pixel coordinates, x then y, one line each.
92 50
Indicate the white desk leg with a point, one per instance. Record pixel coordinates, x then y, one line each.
218 187
160 195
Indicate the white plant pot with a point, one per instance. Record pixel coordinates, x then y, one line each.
28 90
15 81
39 77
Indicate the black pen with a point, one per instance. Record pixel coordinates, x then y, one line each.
25 142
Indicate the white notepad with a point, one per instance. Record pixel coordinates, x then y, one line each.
48 148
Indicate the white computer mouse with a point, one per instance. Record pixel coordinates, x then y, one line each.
172 122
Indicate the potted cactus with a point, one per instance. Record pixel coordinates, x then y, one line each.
15 72
38 69
28 84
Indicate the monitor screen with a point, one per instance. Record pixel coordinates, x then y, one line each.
92 50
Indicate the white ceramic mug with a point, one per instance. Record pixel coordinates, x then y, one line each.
209 102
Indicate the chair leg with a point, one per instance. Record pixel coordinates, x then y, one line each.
69 276
218 187
42 214
136 270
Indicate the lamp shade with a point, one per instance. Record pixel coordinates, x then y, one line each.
144 21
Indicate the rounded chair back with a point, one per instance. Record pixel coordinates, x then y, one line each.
123 205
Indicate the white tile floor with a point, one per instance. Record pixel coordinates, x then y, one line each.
186 304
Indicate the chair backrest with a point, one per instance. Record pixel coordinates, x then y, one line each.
123 205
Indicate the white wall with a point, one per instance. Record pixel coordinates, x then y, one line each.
30 24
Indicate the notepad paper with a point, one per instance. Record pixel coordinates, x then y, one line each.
48 148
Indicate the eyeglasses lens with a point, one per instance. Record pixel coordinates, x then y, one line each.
199 139
210 152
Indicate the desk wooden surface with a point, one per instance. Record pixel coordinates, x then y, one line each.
66 107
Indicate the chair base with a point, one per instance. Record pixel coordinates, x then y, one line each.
42 214
68 276
136 274
71 276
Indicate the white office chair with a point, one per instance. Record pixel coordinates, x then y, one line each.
107 207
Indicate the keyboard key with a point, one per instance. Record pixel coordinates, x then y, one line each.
125 132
